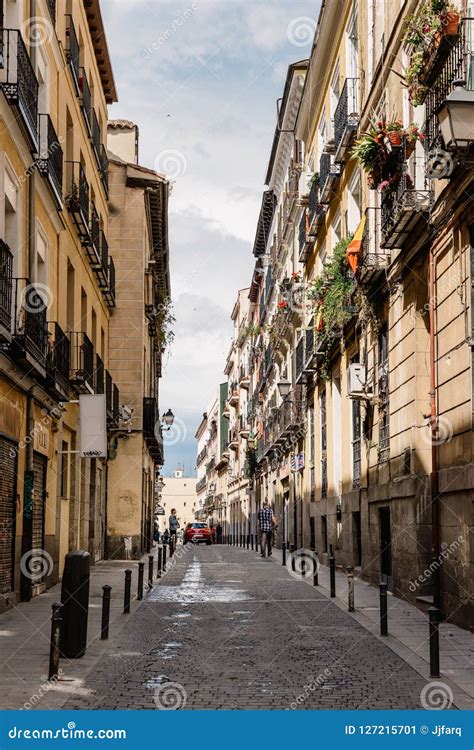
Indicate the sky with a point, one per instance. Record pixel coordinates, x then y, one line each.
201 79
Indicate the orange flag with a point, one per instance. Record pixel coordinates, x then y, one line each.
355 246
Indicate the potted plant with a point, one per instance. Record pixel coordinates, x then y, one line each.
394 133
412 135
449 17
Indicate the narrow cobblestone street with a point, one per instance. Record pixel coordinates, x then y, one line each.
230 630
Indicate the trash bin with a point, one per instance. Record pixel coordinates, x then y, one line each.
75 601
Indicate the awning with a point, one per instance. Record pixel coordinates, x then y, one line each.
355 246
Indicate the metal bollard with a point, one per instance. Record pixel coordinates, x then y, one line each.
251 541
383 609
350 588
332 574
104 629
164 558
316 569
283 553
248 541
151 562
141 573
54 652
434 618
127 591
171 546
303 567
160 562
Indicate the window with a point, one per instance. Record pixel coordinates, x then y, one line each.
356 437
383 393
324 445
40 270
64 469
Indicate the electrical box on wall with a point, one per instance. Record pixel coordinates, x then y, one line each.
356 381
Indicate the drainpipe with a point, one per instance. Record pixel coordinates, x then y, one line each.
434 479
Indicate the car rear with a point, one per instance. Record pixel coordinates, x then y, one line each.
198 533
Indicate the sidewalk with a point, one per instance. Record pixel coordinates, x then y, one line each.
25 636
408 633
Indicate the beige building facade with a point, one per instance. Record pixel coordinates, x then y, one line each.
179 492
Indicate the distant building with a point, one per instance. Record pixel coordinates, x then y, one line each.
178 492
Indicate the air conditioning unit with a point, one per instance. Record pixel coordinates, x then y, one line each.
356 381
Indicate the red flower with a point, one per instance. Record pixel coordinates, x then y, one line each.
283 304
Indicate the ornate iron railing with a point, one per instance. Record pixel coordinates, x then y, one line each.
403 205
346 118
95 234
72 52
77 197
328 171
104 168
299 358
82 361
151 417
96 137
59 358
109 293
31 327
86 100
6 285
19 82
99 385
50 155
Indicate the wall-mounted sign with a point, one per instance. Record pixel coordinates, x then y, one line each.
93 421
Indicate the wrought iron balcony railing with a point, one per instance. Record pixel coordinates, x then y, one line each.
201 456
19 83
201 484
329 174
99 375
101 269
457 64
299 359
86 100
109 394
52 9
30 334
77 199
309 345
6 290
104 168
151 418
73 53
373 258
93 248
406 206
50 157
109 292
59 358
82 362
346 118
95 136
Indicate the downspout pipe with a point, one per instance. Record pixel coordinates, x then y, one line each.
434 478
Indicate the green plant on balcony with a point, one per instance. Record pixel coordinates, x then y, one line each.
331 293
425 33
313 179
165 321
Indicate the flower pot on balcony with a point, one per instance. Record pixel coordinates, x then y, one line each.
395 138
450 23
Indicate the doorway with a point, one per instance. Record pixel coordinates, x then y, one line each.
385 543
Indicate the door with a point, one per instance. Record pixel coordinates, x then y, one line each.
385 542
40 464
7 513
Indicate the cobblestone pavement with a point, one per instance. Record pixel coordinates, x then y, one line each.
226 629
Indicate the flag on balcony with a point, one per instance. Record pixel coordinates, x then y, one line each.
354 248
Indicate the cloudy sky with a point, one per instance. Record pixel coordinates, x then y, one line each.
201 80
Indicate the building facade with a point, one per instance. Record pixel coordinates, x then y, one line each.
360 305
179 492
138 240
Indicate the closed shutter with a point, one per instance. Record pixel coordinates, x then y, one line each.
39 500
7 513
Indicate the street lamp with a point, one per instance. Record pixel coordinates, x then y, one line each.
455 116
168 419
284 387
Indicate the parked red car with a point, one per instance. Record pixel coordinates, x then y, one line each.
196 533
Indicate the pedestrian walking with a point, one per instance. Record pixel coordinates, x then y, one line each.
173 523
266 522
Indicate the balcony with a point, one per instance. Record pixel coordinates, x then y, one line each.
309 348
329 174
6 291
104 168
244 430
72 54
244 378
374 260
405 209
346 118
52 9
299 360
82 362
152 429
233 394
109 292
95 137
77 199
233 440
19 83
201 484
290 417
99 375
86 105
201 456
93 247
50 157
114 417
59 360
30 328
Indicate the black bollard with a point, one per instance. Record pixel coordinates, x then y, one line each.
383 609
303 566
164 558
434 618
315 569
350 588
151 562
104 630
160 562
251 541
171 546
141 573
332 574
127 591
54 649
248 541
